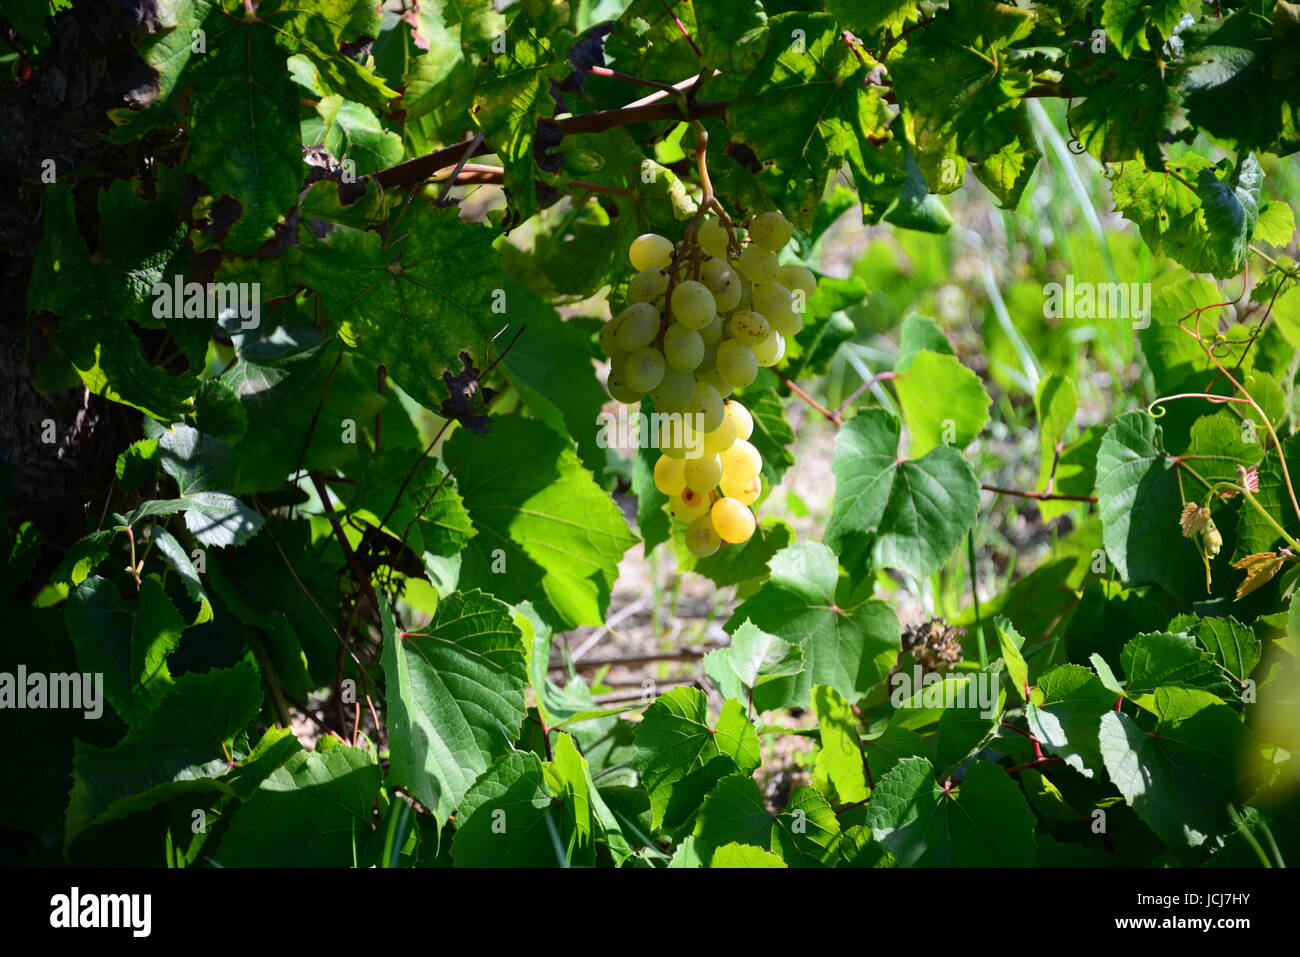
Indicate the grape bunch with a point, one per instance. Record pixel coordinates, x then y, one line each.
702 317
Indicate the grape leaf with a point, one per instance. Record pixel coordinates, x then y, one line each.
805 834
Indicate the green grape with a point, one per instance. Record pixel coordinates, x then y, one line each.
617 385
741 462
770 351
732 521
650 251
606 337
771 298
712 238
749 327
673 391
638 325
739 415
771 231
712 333
720 439
670 475
723 282
712 378
703 473
786 323
688 506
701 538
757 264
736 364
693 304
746 300
793 276
746 493
683 348
707 403
647 285
644 369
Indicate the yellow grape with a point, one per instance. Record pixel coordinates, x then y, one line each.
674 390
644 369
670 477
793 276
701 538
732 521
647 285
739 415
770 351
650 251
637 326
736 363
693 304
741 462
771 231
688 506
746 493
703 474
748 326
712 238
720 439
758 264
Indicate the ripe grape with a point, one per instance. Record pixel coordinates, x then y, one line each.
793 276
749 327
746 493
720 439
757 264
673 391
712 378
702 540
644 369
637 326
669 475
703 473
712 238
770 351
732 521
723 282
707 403
683 348
606 337
771 298
746 300
650 251
771 231
693 304
647 285
736 364
741 462
617 385
688 506
712 333
739 415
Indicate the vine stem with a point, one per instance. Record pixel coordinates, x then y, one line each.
830 415
858 392
1039 496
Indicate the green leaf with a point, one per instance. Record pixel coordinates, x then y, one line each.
1234 646
1140 503
680 756
350 131
752 659
509 819
1276 224
544 526
455 697
214 518
1116 89
127 643
412 302
744 856
1257 534
184 746
772 434
910 514
315 811
805 834
1065 715
569 780
1180 778
849 647
982 822
1127 21
1160 660
1011 642
804 110
838 764
916 334
943 402
748 562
